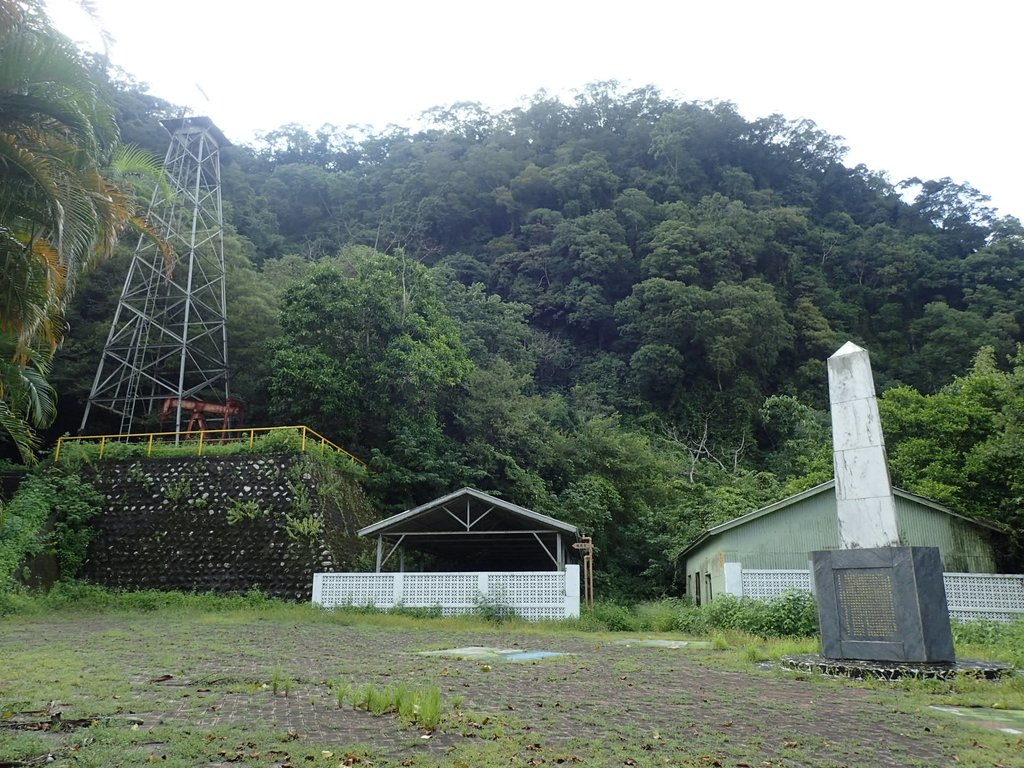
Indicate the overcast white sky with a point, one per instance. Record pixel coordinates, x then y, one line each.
916 87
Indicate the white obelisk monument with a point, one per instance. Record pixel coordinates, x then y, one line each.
877 600
864 501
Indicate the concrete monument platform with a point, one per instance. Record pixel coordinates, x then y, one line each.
859 669
883 603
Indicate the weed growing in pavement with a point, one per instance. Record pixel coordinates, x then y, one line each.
414 706
341 690
428 707
379 700
281 682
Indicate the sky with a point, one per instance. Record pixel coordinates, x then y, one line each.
916 88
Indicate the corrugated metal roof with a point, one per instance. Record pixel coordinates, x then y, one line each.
402 517
810 492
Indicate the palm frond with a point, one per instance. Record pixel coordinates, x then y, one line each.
19 432
27 401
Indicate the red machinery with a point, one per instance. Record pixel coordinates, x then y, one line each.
199 409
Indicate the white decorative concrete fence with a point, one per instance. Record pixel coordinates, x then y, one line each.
534 595
762 585
970 596
992 596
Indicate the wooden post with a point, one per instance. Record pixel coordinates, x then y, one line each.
586 545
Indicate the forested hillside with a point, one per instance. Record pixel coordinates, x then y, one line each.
615 311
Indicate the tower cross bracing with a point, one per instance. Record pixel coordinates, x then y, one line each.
168 339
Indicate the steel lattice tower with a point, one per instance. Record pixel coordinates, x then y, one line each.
168 340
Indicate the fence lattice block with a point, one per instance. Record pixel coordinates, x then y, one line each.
970 596
363 589
763 585
996 597
532 595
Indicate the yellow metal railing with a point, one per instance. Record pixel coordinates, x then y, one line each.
200 439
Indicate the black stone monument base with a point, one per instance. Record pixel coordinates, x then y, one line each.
883 604
887 670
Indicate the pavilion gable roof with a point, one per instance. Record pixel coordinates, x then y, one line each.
443 513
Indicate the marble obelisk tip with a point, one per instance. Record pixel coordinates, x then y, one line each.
849 348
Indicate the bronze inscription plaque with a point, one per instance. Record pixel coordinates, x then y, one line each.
867 609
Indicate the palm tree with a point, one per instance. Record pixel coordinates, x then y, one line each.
60 212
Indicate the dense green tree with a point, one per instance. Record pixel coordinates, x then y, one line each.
366 341
962 445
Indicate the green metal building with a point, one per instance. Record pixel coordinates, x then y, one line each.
782 535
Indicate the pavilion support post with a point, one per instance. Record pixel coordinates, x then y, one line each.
401 560
560 554
380 552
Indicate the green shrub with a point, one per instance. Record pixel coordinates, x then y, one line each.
281 682
420 706
494 607
68 594
380 700
68 501
279 441
363 697
341 689
730 612
21 520
428 707
118 450
149 600
76 502
792 614
614 617
658 615
983 632
15 601
73 453
691 620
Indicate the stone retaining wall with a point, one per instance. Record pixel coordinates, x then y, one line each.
221 524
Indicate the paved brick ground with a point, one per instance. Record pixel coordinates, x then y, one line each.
659 701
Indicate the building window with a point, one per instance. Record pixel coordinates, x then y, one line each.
707 583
